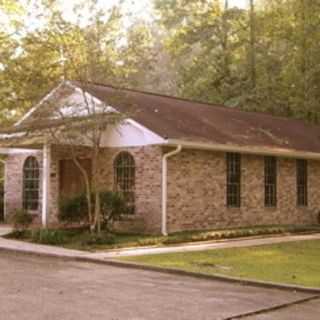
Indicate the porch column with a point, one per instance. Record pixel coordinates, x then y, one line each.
46 154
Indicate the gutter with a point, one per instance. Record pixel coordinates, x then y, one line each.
165 187
266 151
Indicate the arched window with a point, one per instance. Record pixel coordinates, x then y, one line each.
124 178
31 180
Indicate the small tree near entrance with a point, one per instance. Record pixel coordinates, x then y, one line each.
84 123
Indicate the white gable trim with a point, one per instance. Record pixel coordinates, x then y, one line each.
149 137
129 133
39 104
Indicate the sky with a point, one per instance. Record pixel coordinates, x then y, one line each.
133 8
141 8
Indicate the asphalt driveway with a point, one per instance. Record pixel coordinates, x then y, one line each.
37 288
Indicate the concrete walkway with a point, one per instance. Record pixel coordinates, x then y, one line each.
21 246
200 246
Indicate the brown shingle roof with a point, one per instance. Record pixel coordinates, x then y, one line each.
174 118
182 119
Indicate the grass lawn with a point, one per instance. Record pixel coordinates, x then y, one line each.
290 263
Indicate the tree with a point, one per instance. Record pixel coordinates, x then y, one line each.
145 63
252 53
205 43
84 124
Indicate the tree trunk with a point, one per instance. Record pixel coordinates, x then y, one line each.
96 189
252 53
225 41
303 53
87 184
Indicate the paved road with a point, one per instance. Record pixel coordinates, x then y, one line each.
305 311
37 288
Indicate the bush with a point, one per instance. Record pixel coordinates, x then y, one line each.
74 210
104 238
47 236
18 234
20 219
112 206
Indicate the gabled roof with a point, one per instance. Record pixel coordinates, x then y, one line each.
180 119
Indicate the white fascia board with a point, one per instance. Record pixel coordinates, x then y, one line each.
264 151
38 105
17 151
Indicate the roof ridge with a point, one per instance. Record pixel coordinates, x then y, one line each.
262 113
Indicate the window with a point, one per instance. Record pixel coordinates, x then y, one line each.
302 182
270 181
233 179
124 169
31 176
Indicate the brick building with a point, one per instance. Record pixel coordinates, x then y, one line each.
182 165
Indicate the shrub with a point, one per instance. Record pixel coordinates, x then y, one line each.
47 236
112 206
76 209
20 219
105 238
73 210
18 234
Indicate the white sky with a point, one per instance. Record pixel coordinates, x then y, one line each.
133 9
238 3
140 8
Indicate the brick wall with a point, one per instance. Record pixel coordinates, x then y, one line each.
14 181
196 188
197 193
147 182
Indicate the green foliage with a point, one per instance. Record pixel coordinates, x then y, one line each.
93 239
79 237
47 236
262 58
82 239
18 234
112 206
74 210
20 219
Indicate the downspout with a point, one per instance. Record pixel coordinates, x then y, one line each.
165 187
46 158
